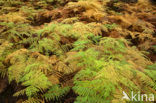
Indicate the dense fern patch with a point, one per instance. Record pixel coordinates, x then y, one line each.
95 48
110 72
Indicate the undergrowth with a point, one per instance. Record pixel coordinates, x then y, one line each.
111 73
96 48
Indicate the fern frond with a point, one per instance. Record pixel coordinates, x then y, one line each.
46 46
55 92
70 20
107 73
14 17
114 48
5 49
15 33
151 72
33 100
32 73
80 45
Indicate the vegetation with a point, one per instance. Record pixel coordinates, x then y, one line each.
76 51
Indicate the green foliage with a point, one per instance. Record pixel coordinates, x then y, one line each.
50 44
10 2
32 100
34 81
102 76
16 33
29 12
46 46
80 45
47 40
45 3
110 26
31 73
52 1
28 73
95 39
55 92
154 47
5 49
151 72
113 48
151 67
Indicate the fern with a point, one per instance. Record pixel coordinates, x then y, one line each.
32 73
95 39
47 46
151 72
47 40
151 67
76 31
5 49
92 10
110 26
55 92
29 13
154 47
109 74
34 80
75 49
70 20
114 48
15 33
33 100
80 45
11 2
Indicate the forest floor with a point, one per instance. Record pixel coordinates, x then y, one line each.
77 51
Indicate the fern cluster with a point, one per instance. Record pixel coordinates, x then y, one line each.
48 47
31 70
151 72
16 33
5 49
107 73
10 2
48 40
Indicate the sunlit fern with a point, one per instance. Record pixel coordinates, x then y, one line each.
109 75
30 70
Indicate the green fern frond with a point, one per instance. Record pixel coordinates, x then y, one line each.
5 49
55 92
151 67
80 45
15 33
151 72
35 82
113 48
108 74
154 47
33 100
32 73
111 26
47 46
